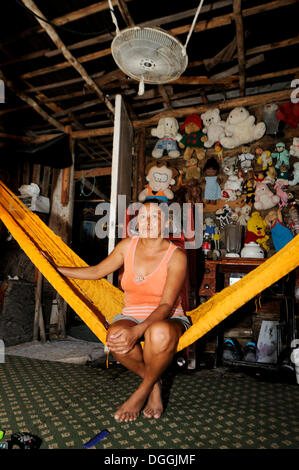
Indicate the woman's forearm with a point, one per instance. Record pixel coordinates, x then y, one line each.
88 272
162 312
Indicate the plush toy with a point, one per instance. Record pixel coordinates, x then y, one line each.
295 179
194 138
229 162
283 174
212 188
240 129
243 214
233 185
270 175
223 215
167 133
219 151
249 188
192 170
160 178
245 158
256 230
259 177
209 227
213 126
289 113
294 149
264 198
283 197
280 234
270 118
263 158
281 154
193 191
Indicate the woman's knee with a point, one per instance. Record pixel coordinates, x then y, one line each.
161 335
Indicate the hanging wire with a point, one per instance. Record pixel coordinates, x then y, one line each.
192 26
113 16
82 181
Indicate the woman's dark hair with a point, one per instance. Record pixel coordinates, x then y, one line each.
211 163
155 200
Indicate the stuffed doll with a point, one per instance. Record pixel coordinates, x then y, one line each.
167 133
263 158
212 188
289 113
294 149
243 213
245 158
283 174
270 119
280 234
193 139
160 178
193 191
264 198
259 176
223 215
213 126
295 179
209 227
270 175
249 188
192 170
256 230
283 197
233 186
240 129
281 155
219 151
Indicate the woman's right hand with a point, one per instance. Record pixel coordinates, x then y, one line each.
122 340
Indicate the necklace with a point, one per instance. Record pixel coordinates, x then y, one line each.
139 277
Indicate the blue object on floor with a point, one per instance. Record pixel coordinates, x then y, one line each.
96 439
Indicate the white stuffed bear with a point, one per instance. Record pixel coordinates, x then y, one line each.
294 149
213 126
240 129
167 132
295 175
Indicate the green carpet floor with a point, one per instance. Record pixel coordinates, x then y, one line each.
66 405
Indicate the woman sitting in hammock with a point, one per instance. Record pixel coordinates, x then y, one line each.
154 274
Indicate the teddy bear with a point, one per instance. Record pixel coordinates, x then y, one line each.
256 230
281 235
240 128
243 214
263 158
281 154
213 126
192 170
167 133
264 198
193 139
160 178
294 149
270 118
245 158
295 179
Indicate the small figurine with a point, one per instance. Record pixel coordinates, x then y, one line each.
219 151
263 158
295 179
270 119
223 215
294 149
249 187
233 185
212 188
246 158
193 139
279 186
259 177
280 234
244 214
281 154
270 175
283 174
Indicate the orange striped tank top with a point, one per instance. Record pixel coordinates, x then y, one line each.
142 296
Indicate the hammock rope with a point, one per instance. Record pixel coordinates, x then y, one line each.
97 302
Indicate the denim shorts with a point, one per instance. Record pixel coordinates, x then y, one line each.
182 319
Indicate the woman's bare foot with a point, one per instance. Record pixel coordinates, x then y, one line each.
154 406
129 411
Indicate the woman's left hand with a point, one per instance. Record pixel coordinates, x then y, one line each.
122 340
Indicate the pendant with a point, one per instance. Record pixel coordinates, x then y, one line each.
139 277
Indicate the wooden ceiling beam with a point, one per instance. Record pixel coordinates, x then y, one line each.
67 54
237 10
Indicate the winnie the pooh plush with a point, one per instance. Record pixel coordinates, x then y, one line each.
193 139
256 230
240 128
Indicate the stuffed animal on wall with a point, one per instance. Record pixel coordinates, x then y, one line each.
191 169
167 133
243 213
280 234
193 139
160 178
233 186
223 215
213 126
270 175
245 158
294 149
240 129
270 118
295 179
281 155
283 196
212 188
289 113
256 230
264 198
193 191
263 158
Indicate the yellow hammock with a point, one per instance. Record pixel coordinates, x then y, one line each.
97 302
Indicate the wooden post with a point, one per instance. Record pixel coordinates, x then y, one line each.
66 174
141 160
38 325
